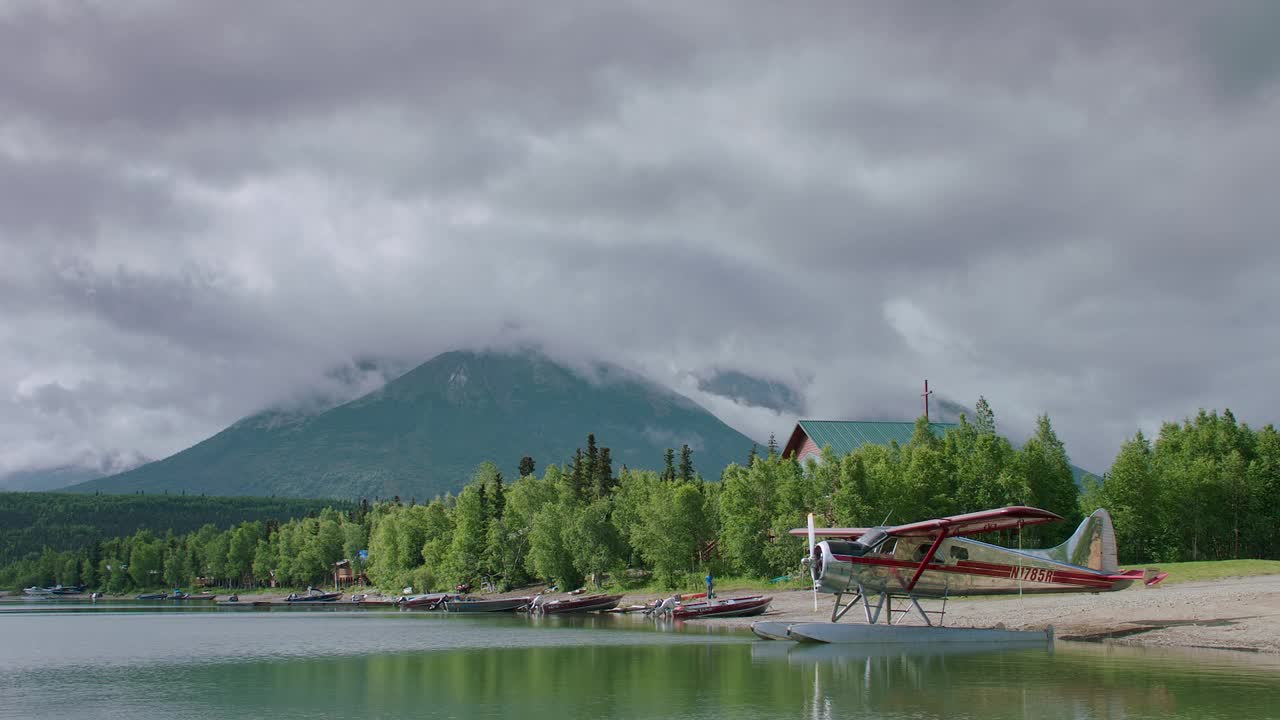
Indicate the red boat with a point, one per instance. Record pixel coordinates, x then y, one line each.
590 603
729 607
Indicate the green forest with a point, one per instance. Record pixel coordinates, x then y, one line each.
33 521
1205 489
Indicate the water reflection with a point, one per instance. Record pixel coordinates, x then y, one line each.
397 665
1069 680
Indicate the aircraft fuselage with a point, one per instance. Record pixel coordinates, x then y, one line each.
960 566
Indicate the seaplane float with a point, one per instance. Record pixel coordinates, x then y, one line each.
937 559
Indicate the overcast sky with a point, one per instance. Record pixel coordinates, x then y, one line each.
1069 209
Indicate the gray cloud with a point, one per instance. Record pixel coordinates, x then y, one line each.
1063 207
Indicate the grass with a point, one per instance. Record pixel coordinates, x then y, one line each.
1215 569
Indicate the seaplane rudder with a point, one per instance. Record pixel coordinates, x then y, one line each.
1092 545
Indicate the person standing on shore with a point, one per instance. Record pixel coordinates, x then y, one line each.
710 586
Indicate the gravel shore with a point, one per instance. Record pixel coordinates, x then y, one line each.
1240 613
1231 613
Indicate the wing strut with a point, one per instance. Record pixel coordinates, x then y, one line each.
933 550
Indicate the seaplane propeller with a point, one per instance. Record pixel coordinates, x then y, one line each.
814 560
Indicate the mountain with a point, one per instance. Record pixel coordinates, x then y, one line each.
86 466
47 478
423 433
750 390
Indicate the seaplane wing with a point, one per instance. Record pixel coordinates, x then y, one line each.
974 523
839 533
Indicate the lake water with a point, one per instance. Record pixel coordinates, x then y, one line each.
134 662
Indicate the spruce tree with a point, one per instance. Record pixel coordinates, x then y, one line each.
592 480
499 499
686 464
604 474
751 458
669 466
773 446
526 466
578 474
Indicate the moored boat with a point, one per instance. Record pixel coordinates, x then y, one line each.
729 607
153 596
590 603
367 600
34 591
430 601
467 604
313 595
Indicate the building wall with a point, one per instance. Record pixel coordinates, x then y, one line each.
809 448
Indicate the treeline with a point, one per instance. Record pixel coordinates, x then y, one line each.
31 522
250 554
1207 489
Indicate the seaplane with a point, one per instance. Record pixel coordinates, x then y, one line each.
938 559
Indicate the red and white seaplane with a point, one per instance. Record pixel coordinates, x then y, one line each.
937 559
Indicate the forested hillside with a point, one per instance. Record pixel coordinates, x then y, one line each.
1206 489
30 522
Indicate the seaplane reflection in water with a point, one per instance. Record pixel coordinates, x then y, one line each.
937 559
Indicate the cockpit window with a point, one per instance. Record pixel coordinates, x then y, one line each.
872 538
959 553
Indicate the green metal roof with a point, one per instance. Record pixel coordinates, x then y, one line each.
845 436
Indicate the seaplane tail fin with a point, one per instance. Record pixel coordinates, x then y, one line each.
1092 545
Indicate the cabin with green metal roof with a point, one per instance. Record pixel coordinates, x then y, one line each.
845 436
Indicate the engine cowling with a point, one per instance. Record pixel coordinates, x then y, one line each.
835 575
831 574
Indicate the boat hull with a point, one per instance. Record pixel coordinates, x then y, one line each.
599 603
322 597
733 607
484 606
431 601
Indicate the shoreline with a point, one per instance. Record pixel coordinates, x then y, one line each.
1240 613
